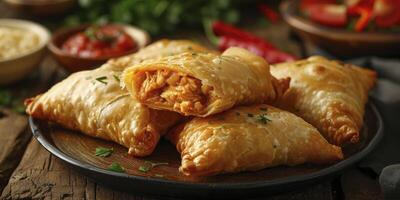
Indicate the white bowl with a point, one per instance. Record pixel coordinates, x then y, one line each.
17 67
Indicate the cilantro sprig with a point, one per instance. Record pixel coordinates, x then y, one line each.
149 166
103 152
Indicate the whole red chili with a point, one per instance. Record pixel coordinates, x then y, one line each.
248 41
271 55
269 13
220 28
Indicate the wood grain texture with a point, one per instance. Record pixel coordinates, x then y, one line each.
14 136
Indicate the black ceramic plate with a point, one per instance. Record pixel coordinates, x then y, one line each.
77 150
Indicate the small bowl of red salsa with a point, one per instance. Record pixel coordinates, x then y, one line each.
88 46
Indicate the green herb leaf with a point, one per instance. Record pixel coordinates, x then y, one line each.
149 165
250 115
102 79
159 175
263 118
103 152
263 109
116 78
116 167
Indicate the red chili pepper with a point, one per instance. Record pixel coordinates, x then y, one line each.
271 55
365 14
250 42
269 13
221 28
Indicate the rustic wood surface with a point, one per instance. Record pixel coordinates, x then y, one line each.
28 171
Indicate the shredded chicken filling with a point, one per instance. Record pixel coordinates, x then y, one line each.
171 89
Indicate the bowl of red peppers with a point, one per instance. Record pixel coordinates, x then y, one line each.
88 46
347 28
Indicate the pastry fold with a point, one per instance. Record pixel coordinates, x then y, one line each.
94 103
202 84
156 50
328 94
249 139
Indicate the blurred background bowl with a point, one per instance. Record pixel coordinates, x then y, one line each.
17 67
340 42
73 63
42 7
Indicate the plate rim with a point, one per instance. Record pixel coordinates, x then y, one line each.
332 169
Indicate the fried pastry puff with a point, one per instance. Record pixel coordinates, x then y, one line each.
202 84
328 94
158 49
249 139
94 103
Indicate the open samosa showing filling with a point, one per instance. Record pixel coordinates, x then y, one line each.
94 103
166 88
201 84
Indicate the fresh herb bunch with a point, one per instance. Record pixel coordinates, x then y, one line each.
156 16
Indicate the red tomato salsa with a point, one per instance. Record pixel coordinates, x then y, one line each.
99 41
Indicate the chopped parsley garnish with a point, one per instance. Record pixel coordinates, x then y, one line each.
116 167
237 113
116 78
103 152
250 115
263 118
149 165
274 146
263 109
194 54
102 79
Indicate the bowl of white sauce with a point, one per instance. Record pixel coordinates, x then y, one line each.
22 47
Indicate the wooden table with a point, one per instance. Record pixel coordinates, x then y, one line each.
28 171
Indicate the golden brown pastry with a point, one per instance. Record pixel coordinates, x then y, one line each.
158 49
248 139
201 84
328 94
94 103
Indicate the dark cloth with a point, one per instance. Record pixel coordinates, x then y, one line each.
385 159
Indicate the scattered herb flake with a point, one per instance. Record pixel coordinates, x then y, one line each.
102 79
263 118
149 165
263 109
159 175
103 152
237 113
250 115
274 146
116 167
220 117
116 78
